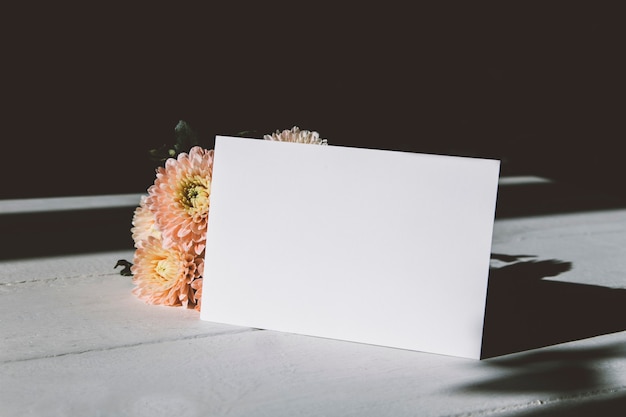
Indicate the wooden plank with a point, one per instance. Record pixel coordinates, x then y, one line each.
265 373
595 243
50 313
36 205
75 341
54 267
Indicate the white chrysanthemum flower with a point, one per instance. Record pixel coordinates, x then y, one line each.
298 136
144 224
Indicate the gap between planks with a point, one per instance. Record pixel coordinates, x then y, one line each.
133 345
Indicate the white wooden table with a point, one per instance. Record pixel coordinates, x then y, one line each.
74 341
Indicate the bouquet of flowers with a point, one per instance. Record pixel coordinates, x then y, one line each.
170 224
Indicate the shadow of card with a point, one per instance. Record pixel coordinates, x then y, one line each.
525 312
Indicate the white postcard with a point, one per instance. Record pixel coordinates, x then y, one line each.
381 247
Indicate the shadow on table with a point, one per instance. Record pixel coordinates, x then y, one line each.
28 235
612 407
554 197
525 312
577 385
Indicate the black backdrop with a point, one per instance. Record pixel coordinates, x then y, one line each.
88 90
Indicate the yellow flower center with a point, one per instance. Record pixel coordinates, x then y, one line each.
166 270
194 195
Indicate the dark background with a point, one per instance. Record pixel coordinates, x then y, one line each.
88 90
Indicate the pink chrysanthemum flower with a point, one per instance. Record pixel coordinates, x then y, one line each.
144 224
179 199
197 295
298 136
163 275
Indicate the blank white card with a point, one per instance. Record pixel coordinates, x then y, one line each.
380 247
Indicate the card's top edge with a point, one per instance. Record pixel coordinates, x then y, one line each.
360 149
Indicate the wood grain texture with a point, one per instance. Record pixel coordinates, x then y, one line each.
75 341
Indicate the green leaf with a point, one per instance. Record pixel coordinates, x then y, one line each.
186 137
161 154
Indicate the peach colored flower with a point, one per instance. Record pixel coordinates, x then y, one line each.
298 136
143 224
179 199
163 275
197 295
